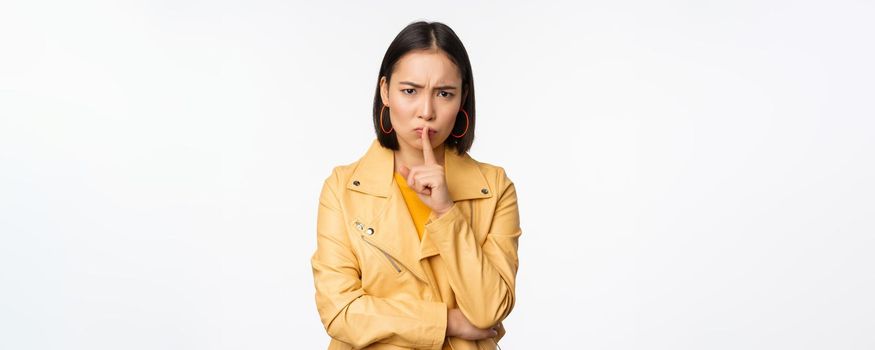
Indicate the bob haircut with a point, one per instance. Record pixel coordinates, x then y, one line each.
422 36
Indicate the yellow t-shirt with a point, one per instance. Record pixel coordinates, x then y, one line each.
418 210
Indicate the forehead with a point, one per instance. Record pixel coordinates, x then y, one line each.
427 66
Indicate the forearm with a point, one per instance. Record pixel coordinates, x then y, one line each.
407 323
481 278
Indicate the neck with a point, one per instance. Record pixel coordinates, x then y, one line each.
409 156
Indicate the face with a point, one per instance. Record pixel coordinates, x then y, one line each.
424 91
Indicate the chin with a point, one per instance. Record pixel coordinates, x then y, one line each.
412 143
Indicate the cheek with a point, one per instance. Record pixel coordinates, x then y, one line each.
448 118
401 112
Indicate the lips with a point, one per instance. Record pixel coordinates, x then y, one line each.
430 131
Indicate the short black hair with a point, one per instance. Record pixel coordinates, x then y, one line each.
422 36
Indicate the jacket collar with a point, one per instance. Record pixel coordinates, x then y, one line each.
375 172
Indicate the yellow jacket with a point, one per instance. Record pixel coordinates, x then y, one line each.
379 287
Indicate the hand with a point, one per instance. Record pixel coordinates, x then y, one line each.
459 326
428 180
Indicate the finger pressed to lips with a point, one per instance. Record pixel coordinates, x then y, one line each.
427 151
431 132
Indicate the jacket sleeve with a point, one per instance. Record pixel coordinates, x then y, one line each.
348 313
483 277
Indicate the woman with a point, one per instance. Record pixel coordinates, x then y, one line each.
416 240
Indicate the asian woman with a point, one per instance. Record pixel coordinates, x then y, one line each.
416 240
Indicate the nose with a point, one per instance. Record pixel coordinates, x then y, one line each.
427 111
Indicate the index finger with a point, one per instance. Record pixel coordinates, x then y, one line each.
427 151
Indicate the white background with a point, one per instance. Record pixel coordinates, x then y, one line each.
691 175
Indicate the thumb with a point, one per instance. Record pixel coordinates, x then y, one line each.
404 171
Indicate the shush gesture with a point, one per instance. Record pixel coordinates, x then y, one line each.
428 180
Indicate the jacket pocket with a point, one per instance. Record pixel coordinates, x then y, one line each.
361 228
388 257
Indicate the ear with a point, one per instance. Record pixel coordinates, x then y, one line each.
384 90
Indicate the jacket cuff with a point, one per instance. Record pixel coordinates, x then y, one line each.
434 220
441 330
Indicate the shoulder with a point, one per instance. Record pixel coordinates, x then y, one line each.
341 173
374 155
494 174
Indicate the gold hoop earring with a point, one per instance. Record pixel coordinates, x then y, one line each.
467 122
381 122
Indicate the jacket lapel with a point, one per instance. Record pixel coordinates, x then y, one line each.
393 227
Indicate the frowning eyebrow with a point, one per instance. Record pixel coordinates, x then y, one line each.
444 87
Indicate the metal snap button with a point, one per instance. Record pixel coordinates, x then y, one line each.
484 191
356 182
359 226
369 231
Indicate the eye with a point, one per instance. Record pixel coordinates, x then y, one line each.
405 91
448 94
